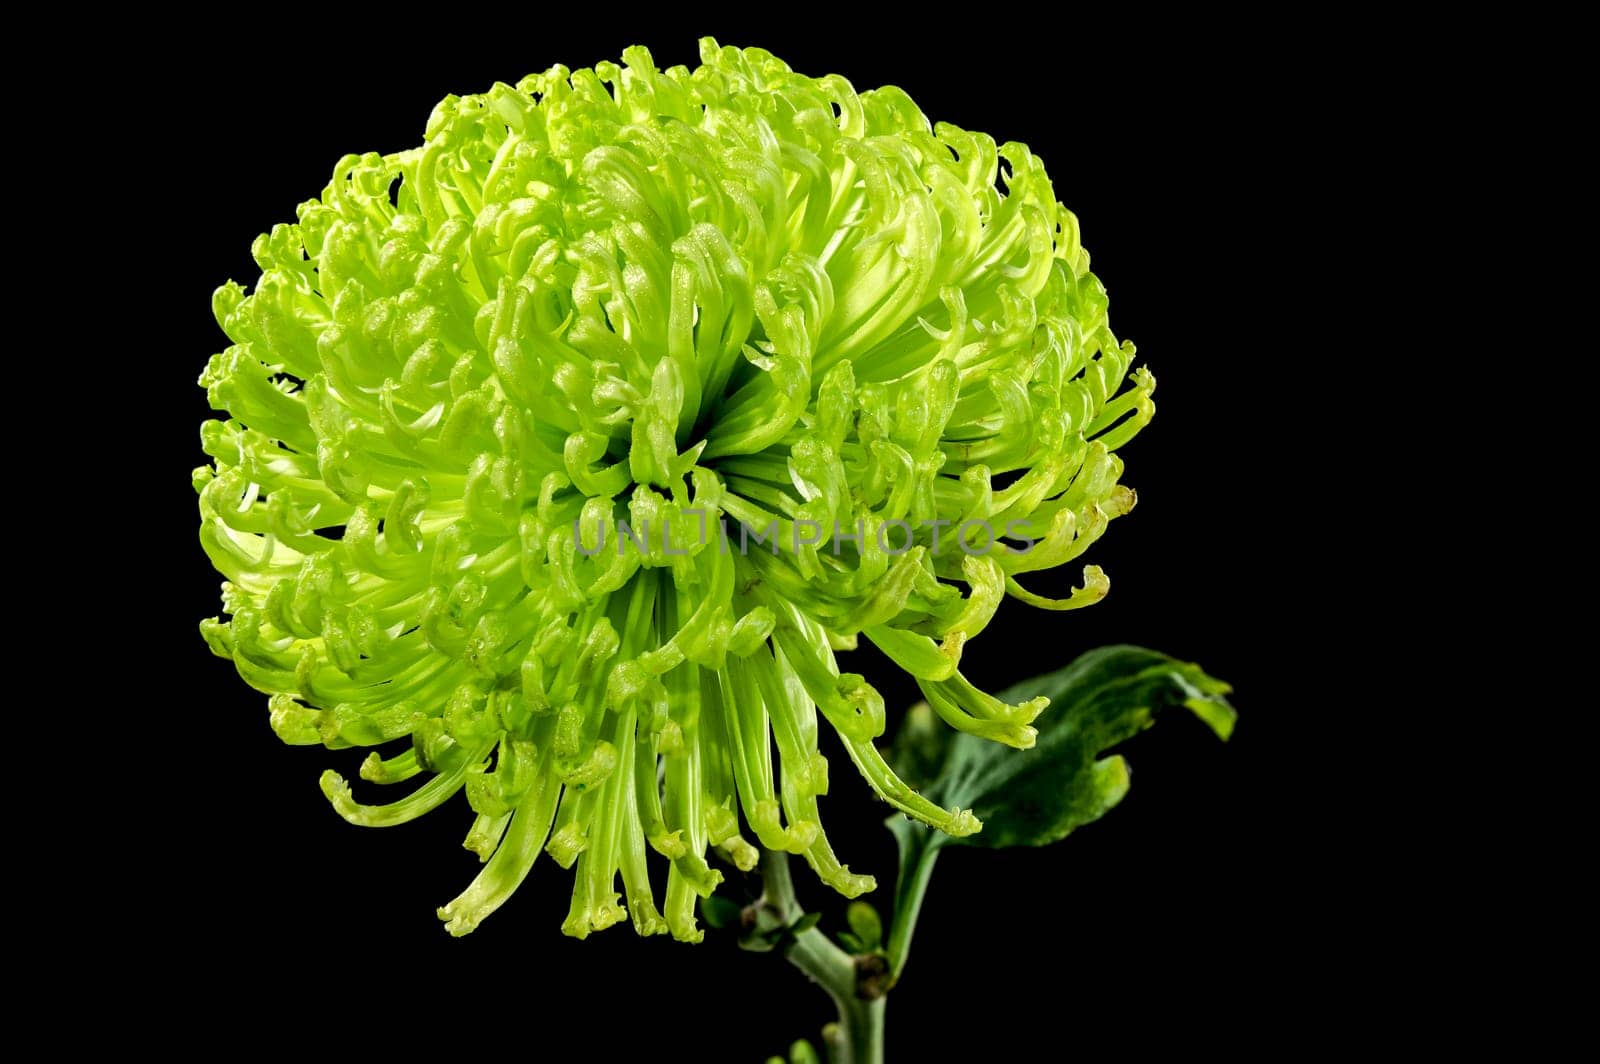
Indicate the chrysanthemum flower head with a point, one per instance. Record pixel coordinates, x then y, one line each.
566 450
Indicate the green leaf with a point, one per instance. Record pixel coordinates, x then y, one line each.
865 925
805 923
1038 796
719 912
1033 797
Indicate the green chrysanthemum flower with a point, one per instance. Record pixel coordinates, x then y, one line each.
494 401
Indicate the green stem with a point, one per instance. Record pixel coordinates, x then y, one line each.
858 1038
865 1029
908 892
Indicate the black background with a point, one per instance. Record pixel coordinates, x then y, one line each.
1188 912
